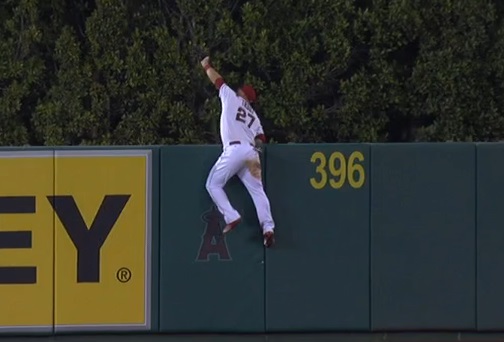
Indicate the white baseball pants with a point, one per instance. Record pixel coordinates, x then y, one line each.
236 160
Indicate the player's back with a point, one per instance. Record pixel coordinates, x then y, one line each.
239 121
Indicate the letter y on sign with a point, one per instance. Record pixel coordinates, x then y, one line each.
88 242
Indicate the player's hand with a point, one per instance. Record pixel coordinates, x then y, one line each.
205 61
258 146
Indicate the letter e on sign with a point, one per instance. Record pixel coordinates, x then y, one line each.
102 206
26 241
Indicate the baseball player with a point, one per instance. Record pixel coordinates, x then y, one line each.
242 137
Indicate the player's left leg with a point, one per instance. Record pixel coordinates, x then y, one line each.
250 175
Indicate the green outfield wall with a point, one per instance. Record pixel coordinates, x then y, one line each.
370 237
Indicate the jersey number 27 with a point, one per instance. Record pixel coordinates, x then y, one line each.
241 116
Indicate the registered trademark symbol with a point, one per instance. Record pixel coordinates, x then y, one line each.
123 274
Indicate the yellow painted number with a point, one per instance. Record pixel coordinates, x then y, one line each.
319 156
340 170
354 168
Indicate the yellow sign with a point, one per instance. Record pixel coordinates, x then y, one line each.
91 233
26 241
102 239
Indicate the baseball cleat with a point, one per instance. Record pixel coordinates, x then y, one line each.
269 239
230 226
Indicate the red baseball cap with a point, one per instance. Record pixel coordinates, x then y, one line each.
249 92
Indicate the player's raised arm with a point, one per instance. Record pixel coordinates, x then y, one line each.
212 74
225 93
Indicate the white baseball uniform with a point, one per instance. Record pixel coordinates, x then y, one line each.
239 126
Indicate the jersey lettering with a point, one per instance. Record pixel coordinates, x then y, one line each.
241 116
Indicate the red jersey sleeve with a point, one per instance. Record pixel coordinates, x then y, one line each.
219 82
261 137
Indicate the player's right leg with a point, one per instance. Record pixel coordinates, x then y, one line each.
250 175
223 169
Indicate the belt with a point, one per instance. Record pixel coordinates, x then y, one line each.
237 142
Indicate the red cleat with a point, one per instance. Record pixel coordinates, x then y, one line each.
230 226
269 239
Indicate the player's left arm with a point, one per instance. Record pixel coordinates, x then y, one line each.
260 138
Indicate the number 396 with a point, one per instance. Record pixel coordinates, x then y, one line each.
339 169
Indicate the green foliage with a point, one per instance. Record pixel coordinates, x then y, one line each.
127 72
21 71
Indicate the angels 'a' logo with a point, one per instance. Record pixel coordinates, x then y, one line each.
213 242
